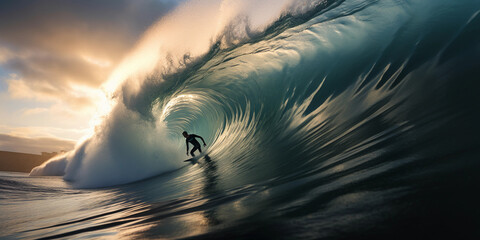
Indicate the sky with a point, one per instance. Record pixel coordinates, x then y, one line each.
54 57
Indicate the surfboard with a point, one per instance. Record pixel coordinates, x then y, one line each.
195 159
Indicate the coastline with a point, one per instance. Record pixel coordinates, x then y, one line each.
22 162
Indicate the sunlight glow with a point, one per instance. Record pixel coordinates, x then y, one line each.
96 61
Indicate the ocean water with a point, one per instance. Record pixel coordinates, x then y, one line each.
354 119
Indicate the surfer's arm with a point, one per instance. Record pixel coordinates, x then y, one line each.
204 144
186 142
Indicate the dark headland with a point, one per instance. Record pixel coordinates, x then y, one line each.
22 162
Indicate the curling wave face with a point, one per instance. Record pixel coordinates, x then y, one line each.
325 88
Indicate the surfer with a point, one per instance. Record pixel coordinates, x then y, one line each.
196 145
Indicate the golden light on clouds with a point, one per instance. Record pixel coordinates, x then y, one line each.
54 58
96 61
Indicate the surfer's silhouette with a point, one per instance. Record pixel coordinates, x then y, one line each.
190 138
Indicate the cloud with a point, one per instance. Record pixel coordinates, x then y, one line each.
33 145
78 98
44 132
60 48
34 111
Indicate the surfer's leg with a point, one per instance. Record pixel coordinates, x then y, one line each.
193 150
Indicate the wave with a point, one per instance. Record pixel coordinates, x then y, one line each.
285 88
